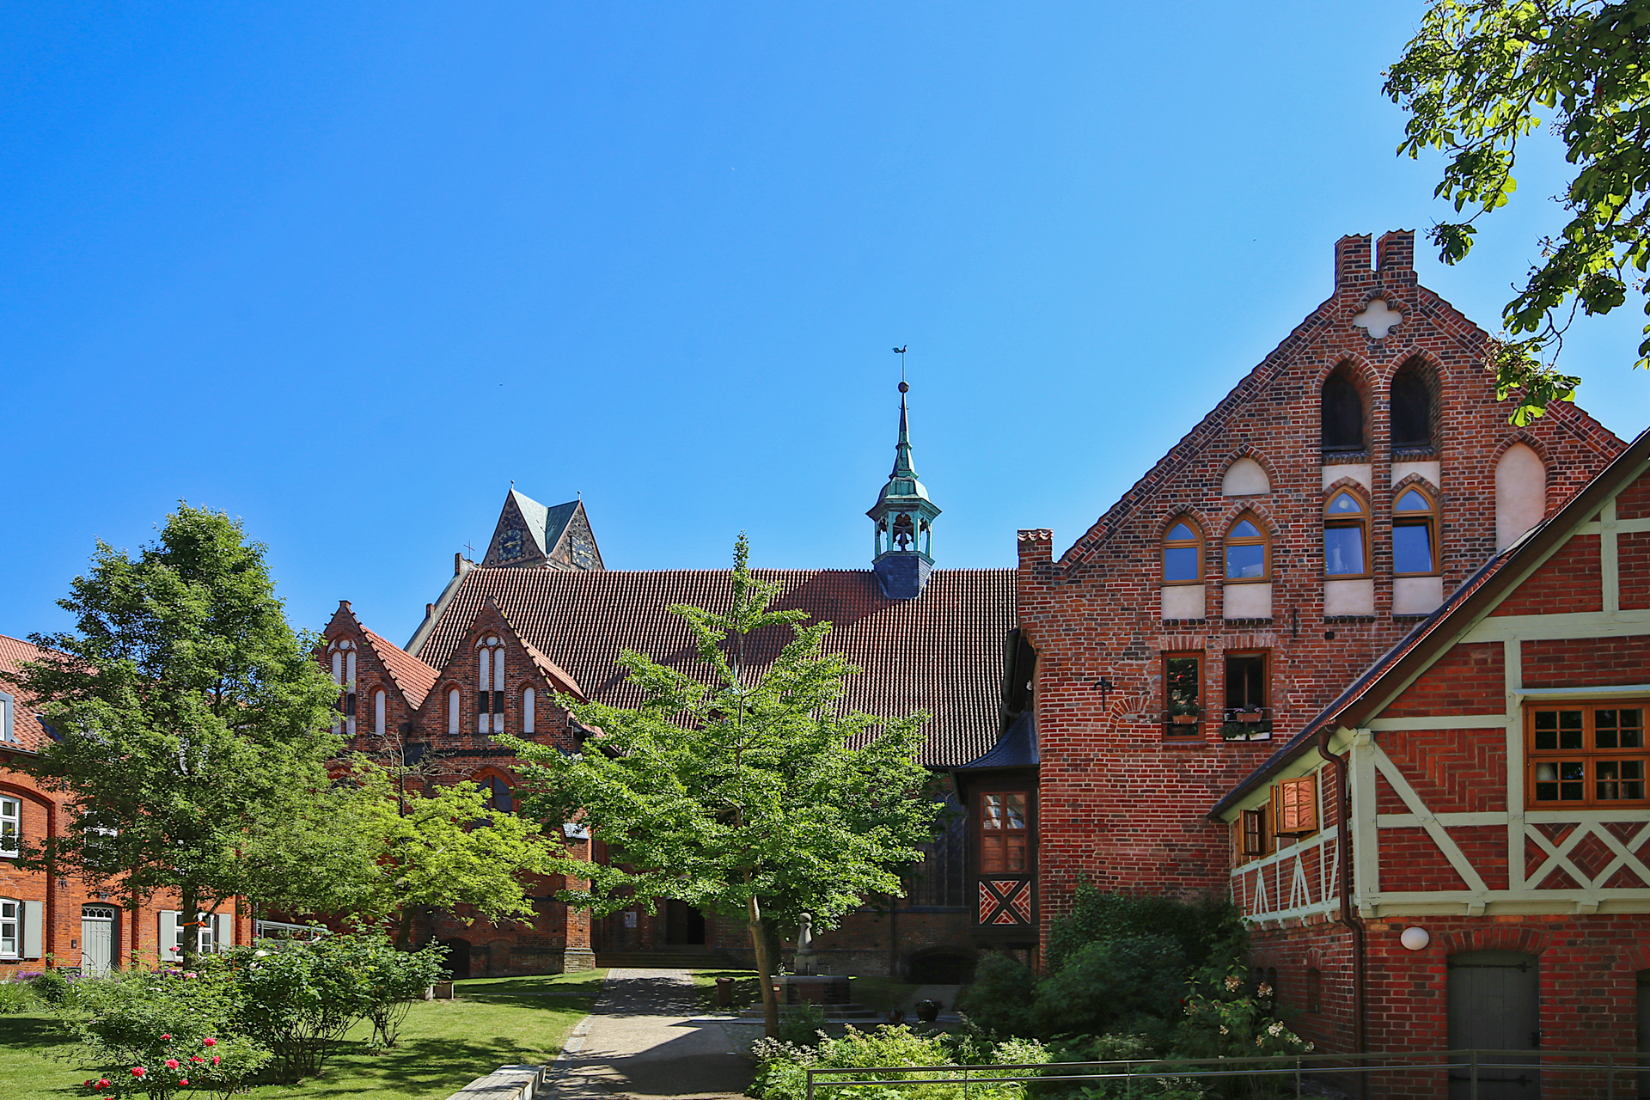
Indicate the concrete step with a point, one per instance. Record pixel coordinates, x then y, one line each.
664 960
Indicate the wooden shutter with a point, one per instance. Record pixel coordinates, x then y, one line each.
1295 806
33 941
1254 832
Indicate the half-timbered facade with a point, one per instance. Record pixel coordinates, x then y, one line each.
1456 852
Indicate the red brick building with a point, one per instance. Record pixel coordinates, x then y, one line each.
1460 842
1362 471
62 920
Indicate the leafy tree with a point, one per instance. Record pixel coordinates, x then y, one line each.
187 715
380 849
1475 81
740 793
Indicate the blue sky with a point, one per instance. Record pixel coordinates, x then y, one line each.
345 270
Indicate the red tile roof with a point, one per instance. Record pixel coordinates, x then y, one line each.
412 676
25 726
941 652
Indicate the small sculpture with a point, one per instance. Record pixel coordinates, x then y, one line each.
805 962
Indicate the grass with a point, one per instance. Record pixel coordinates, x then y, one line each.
444 1045
746 990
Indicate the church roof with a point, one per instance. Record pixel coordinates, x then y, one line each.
941 652
412 676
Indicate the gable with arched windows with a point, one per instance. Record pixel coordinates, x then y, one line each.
1346 534
1342 414
490 684
341 655
1414 407
1246 552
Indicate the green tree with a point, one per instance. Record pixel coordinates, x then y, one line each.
1476 80
748 795
187 715
393 851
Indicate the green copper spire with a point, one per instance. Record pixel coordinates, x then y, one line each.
903 516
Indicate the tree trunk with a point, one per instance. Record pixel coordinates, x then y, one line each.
764 968
403 930
189 929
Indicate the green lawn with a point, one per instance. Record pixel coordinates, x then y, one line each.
444 1045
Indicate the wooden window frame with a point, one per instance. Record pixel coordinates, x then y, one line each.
1588 757
984 833
1196 542
1339 452
1295 806
1255 838
1233 728
1427 519
1264 541
1415 369
1171 728
1343 522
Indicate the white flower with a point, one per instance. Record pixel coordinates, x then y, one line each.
1264 990
1223 1030
1232 983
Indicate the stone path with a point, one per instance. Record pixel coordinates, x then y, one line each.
644 1040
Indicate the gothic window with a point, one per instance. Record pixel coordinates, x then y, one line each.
1585 755
343 674
1182 694
1183 553
1345 536
1411 409
1004 833
490 685
454 712
1342 412
1246 550
500 797
379 701
529 699
1414 533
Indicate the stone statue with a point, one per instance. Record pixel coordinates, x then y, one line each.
806 962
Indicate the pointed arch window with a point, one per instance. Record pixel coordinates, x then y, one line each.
490 685
379 703
529 705
1346 536
500 798
1248 551
1414 533
1183 553
1342 411
342 653
455 712
1411 409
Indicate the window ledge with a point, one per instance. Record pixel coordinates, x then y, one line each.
1414 454
1345 458
1247 624
1350 618
1178 624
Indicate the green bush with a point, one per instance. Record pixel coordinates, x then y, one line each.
16 997
803 1025
52 987
1105 983
300 1000
1000 998
393 980
1204 930
782 1067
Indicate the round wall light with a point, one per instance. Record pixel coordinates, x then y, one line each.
1415 938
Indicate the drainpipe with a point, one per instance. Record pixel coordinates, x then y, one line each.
1349 916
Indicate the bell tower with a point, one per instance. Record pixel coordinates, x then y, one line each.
903 517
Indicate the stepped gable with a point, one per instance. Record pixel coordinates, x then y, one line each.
25 726
412 676
940 652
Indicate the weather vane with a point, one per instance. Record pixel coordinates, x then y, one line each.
900 351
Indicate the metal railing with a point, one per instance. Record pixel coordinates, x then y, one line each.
1474 1068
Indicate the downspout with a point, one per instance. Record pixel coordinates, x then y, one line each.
1349 916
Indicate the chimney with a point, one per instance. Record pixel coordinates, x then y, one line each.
429 610
1036 546
1395 251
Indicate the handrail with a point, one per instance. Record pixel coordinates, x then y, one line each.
1613 1064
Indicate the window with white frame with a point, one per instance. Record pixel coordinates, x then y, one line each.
11 826
343 674
11 928
490 685
8 732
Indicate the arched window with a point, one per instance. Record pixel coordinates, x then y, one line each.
343 674
1411 408
378 701
1345 536
1183 553
490 685
1246 551
1520 493
499 795
454 712
529 699
1342 411
1414 533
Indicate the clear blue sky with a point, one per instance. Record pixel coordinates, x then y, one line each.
346 269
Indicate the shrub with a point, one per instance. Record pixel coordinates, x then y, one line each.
1227 1017
300 1000
1001 996
802 1026
1204 930
52 986
16 997
1105 983
393 980
782 1068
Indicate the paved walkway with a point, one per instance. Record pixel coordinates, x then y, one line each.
644 1040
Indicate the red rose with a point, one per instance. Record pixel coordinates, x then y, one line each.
165 1036
196 1058
103 1084
216 1059
209 1042
185 1081
138 1071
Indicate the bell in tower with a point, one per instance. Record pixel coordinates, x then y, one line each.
903 517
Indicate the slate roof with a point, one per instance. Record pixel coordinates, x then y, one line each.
1476 597
25 726
1017 749
412 676
941 652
